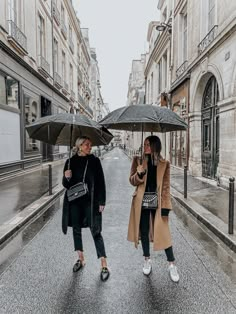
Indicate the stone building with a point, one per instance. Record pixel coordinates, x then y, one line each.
205 67
42 55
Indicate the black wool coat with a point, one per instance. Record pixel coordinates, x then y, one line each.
97 191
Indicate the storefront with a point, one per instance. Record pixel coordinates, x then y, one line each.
179 143
24 97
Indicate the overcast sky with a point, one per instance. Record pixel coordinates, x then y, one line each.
118 31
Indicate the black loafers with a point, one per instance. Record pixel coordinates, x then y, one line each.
78 265
105 273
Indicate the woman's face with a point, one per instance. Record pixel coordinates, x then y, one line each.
147 147
86 147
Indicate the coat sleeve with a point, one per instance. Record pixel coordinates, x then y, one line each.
65 182
100 183
134 179
166 199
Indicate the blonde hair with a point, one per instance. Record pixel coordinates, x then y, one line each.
79 142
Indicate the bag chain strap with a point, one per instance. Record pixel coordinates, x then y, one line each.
85 170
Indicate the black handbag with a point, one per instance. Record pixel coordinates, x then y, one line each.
150 200
79 189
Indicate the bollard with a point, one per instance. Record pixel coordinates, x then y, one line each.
50 179
231 205
185 181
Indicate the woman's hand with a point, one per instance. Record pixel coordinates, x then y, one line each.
101 208
140 169
68 174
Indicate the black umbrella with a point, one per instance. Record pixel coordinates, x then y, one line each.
65 128
147 118
144 118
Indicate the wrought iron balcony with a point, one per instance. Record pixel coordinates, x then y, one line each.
56 13
181 69
16 36
57 80
64 29
71 45
208 39
44 66
88 92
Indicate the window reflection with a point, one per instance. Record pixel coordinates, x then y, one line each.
31 111
9 89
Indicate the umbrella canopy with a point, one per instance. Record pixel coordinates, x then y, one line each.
147 118
65 128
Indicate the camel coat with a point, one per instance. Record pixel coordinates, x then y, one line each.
159 228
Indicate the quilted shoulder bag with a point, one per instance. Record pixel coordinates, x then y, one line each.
79 189
150 200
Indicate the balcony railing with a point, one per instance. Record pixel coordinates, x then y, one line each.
16 34
44 66
208 39
57 80
56 13
71 45
181 69
64 29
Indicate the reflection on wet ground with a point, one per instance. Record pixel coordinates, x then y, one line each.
20 191
12 249
217 249
214 199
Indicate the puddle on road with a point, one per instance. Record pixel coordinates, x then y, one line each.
10 251
225 257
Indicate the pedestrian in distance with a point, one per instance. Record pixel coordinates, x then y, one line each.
150 223
85 211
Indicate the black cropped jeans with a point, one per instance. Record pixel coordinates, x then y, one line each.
144 230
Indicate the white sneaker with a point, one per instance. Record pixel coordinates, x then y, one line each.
147 267
173 273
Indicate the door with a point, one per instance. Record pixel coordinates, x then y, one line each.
210 129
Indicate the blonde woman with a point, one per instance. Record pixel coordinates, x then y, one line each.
85 211
152 176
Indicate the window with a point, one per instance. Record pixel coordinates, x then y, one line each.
62 15
55 57
185 34
9 91
12 11
159 76
164 84
63 66
211 14
31 113
41 29
71 77
151 96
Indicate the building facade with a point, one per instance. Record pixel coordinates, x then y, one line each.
40 57
207 64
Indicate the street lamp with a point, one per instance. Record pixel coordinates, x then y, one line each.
161 27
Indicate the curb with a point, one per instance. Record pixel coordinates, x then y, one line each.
212 222
11 227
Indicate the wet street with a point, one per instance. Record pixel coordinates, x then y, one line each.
36 270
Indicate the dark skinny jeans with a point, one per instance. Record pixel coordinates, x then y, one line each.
98 240
144 230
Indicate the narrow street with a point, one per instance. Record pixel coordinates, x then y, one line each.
40 279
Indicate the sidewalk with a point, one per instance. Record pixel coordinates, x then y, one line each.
23 196
208 203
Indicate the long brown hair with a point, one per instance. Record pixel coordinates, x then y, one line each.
155 145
